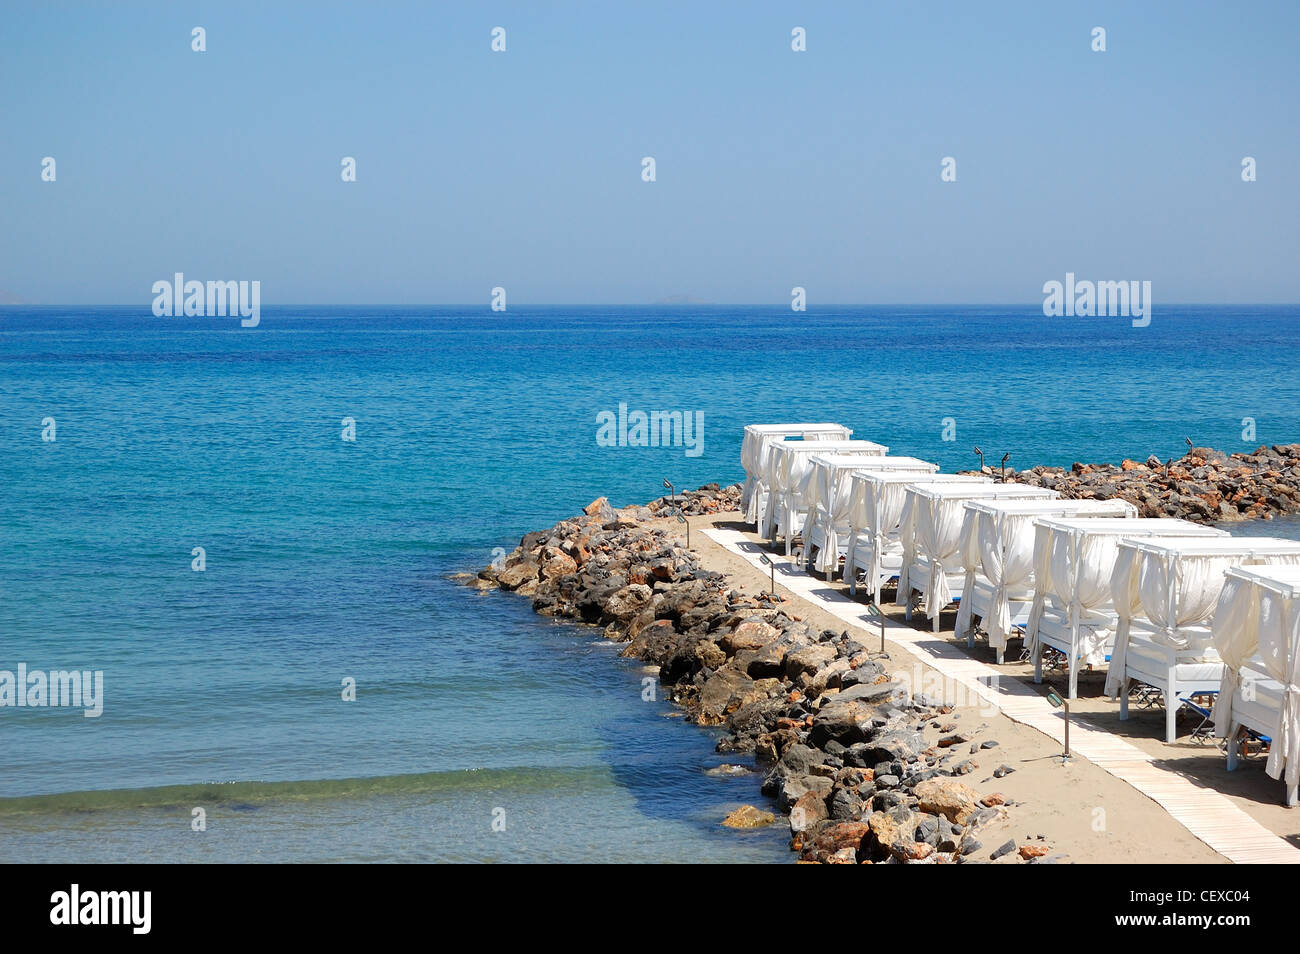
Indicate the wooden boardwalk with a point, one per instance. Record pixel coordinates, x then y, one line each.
1207 814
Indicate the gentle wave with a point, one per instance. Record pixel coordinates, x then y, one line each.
520 780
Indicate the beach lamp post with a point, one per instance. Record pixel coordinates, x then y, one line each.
772 567
672 494
874 609
681 518
980 454
1058 702
1005 457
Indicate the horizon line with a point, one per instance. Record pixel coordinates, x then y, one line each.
651 304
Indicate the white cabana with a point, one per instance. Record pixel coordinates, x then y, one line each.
933 515
830 493
997 550
753 451
1257 631
1073 562
1165 590
876 502
788 473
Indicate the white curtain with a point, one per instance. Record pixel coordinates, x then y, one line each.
1235 628
969 552
937 527
1279 628
1043 584
1124 593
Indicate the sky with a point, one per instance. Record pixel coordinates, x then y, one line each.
774 168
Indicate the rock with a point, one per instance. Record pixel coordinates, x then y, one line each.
970 845
724 692
1002 771
846 805
513 577
726 770
901 745
953 800
1033 851
989 744
807 811
751 634
628 602
992 799
839 838
747 816
794 787
807 660
1005 849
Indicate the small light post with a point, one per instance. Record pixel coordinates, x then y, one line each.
672 494
681 518
771 566
1058 702
1005 457
980 454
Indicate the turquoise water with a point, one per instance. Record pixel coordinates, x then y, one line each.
327 559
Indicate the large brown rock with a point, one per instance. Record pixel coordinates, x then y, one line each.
513 577
948 797
626 604
747 816
724 692
751 634
808 660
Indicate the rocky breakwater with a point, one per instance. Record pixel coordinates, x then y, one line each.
1204 485
864 771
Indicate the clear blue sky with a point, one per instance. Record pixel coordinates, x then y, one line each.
775 168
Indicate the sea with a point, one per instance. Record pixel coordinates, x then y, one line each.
250 532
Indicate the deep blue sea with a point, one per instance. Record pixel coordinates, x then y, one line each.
328 559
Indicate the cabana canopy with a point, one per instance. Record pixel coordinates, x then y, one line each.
1073 562
998 543
830 494
933 517
1256 631
756 441
787 479
1165 591
876 500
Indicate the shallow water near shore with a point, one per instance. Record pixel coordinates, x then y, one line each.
329 560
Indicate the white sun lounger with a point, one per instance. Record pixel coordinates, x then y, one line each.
1256 630
829 497
788 473
876 502
998 552
934 513
753 451
1073 562
1165 591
